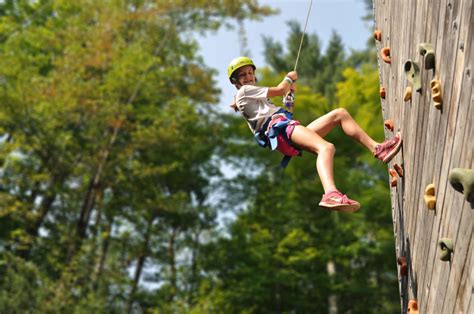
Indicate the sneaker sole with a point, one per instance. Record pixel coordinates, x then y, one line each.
394 152
347 208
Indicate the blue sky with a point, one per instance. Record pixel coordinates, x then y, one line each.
343 16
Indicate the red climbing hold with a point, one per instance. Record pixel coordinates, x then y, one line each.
378 35
385 54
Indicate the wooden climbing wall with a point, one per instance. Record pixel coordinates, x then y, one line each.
434 142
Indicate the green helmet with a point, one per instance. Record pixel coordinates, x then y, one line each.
236 64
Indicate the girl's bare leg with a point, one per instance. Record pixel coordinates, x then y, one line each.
323 125
314 143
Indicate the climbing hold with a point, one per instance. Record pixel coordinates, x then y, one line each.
436 94
413 307
399 170
412 73
430 198
402 261
378 35
445 246
393 179
427 51
462 180
407 95
385 54
389 124
382 92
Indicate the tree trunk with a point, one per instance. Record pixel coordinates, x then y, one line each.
140 262
332 300
194 278
102 257
92 191
172 261
100 260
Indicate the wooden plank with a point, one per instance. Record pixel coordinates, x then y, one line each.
459 284
411 115
405 22
423 217
462 87
441 226
464 293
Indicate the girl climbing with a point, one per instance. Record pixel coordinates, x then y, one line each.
274 126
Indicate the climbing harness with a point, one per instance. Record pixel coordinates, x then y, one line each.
276 134
289 99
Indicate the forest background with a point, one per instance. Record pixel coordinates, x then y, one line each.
112 152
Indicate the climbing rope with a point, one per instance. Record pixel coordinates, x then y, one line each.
302 35
289 99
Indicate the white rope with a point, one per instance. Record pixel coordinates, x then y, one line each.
302 35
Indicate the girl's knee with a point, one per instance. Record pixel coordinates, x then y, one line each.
325 148
340 113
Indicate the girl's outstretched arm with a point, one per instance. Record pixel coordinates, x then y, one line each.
284 87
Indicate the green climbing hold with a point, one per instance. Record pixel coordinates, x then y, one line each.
427 51
462 181
445 249
412 73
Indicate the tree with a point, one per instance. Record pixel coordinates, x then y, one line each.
107 144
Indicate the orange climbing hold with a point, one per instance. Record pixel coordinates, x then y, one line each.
399 170
436 94
378 35
385 54
430 198
413 307
389 124
407 95
382 92
393 179
402 261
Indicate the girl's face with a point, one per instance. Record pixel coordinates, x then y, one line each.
246 76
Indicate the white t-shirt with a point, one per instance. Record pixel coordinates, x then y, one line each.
253 104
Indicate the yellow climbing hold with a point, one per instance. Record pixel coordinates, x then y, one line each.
407 95
436 94
430 198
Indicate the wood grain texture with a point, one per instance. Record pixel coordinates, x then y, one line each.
435 141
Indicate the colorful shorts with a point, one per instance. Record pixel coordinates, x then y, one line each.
277 135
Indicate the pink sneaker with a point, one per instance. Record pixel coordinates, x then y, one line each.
335 200
389 148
